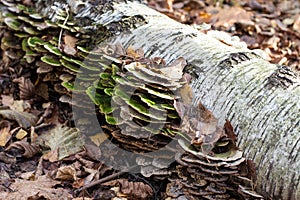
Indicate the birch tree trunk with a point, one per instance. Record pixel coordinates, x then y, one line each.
260 99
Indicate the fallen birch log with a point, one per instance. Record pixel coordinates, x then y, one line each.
260 99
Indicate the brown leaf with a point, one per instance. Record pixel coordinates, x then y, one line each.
186 94
50 114
42 188
296 25
69 50
7 100
205 114
63 142
79 183
251 170
116 50
181 108
5 133
175 70
27 90
5 158
70 41
248 169
70 45
229 131
42 91
26 149
200 124
98 138
66 173
21 134
28 175
92 151
227 17
4 177
24 119
131 52
52 156
134 190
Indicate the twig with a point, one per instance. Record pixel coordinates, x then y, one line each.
61 30
105 179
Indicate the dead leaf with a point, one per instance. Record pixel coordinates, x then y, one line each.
296 25
52 155
70 45
134 190
66 173
228 16
5 133
28 175
24 119
4 176
80 183
63 142
20 105
27 90
5 158
251 170
24 148
175 70
200 124
70 41
42 91
186 94
92 151
131 52
229 131
181 108
98 138
7 100
50 114
21 134
42 188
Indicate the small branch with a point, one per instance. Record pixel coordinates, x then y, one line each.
103 180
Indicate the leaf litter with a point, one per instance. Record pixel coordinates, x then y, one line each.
273 26
28 131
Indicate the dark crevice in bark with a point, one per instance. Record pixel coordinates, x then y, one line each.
235 59
283 77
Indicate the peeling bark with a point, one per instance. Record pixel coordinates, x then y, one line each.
260 99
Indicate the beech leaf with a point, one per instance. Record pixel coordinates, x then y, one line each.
28 150
63 142
24 119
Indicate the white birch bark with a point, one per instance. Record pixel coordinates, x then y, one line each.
260 99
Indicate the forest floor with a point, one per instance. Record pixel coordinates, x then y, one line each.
273 26
262 24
